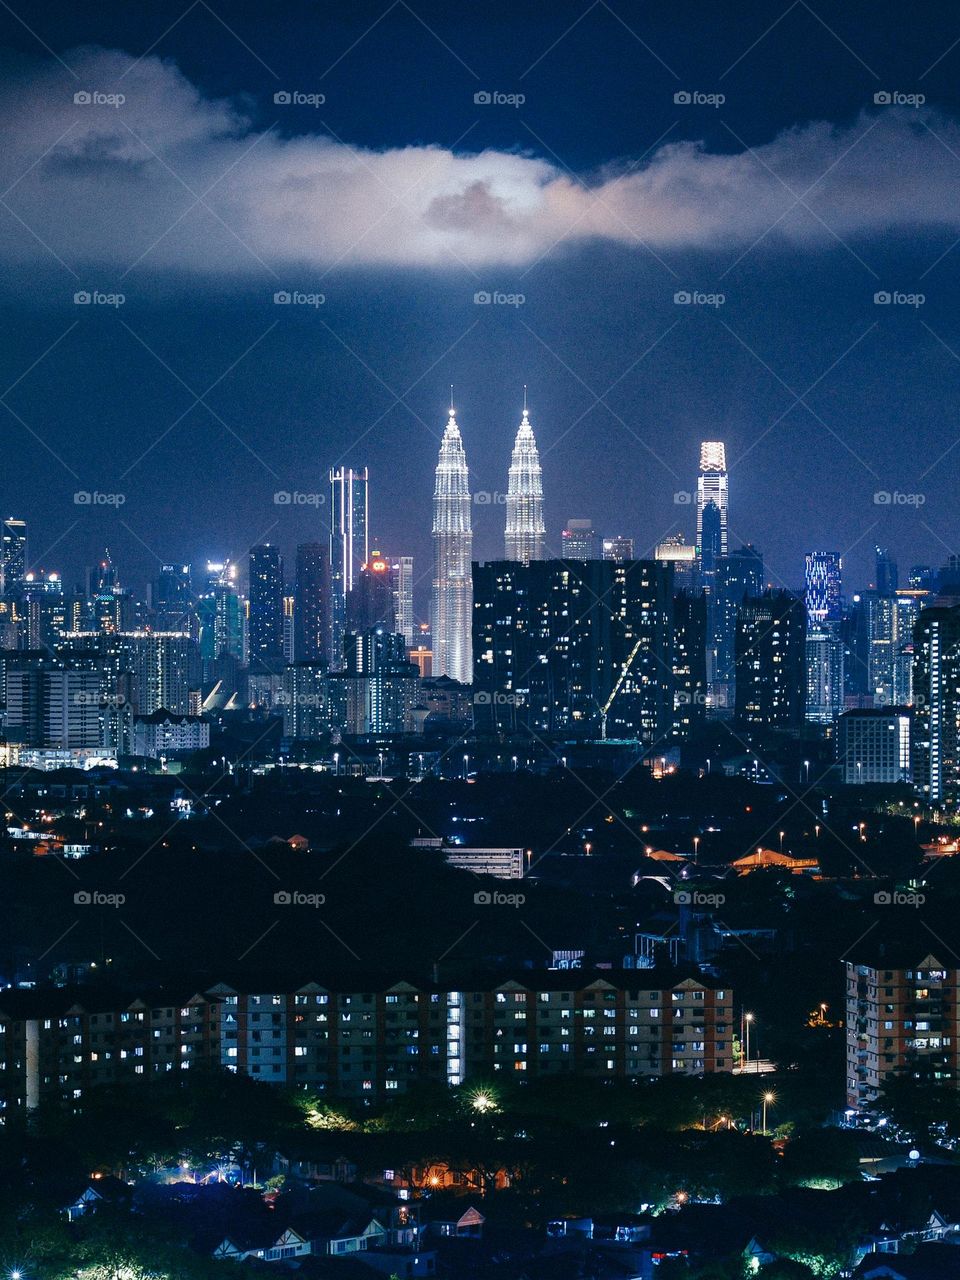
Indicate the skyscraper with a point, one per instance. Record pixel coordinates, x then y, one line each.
266 606
13 557
525 529
936 694
401 582
823 580
618 549
453 547
577 647
579 541
684 560
737 576
370 603
349 544
888 575
221 619
712 490
312 629
771 662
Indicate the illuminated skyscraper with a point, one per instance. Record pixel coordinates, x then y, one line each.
618 549
266 606
13 557
712 488
349 544
824 588
525 529
401 581
452 620
312 608
579 541
371 600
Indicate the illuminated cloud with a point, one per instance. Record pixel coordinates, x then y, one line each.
119 184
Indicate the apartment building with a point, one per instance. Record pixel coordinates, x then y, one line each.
364 1039
902 1017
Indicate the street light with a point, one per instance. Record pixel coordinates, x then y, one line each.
696 847
745 1064
782 834
336 764
806 765
466 766
768 1099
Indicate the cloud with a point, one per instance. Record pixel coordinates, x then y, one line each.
175 181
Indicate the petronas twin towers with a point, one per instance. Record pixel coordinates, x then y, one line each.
452 616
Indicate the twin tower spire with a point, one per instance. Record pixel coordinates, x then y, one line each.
451 620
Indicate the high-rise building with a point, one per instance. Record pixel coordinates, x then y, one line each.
684 560
936 698
578 541
771 661
577 647
525 531
824 663
689 661
349 543
823 580
377 690
312 621
13 557
712 492
873 746
401 584
266 607
172 598
737 575
888 576
221 620
370 603
452 619
901 1017
618 549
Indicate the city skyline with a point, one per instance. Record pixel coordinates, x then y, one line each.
198 378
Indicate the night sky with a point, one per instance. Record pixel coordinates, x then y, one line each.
399 198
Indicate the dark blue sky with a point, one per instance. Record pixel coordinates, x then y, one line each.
97 411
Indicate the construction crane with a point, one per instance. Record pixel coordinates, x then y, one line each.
616 689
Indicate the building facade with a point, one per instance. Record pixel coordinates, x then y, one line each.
902 1021
451 618
525 531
